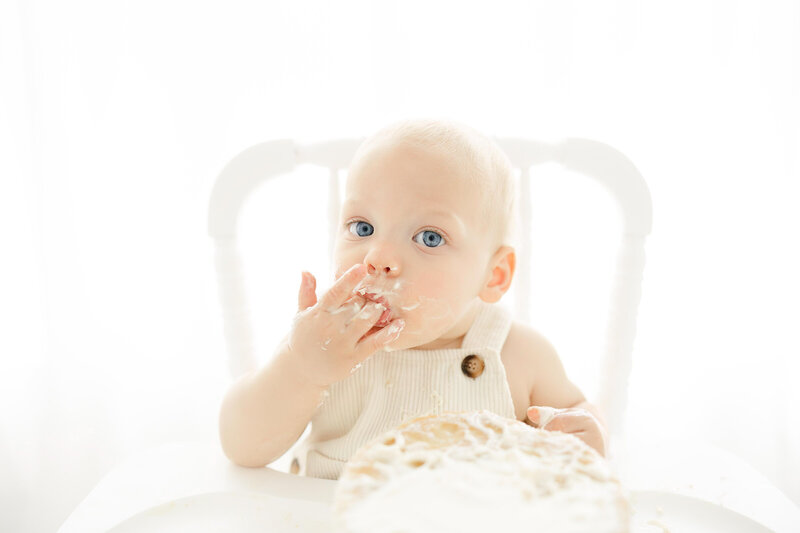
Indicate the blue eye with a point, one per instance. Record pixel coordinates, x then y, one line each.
431 239
362 229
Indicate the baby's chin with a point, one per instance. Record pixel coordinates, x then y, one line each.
407 340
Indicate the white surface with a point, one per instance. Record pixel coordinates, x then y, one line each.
656 511
256 513
175 473
231 511
681 464
193 487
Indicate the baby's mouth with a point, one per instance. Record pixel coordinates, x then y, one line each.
386 316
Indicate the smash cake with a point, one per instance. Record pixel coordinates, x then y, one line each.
476 472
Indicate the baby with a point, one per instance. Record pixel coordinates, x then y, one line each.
409 327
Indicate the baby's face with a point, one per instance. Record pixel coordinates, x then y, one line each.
410 216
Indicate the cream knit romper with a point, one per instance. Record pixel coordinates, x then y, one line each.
390 387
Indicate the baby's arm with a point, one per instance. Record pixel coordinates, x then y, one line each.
266 411
552 388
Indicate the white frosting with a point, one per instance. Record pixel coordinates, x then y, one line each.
478 472
353 308
394 327
372 290
546 414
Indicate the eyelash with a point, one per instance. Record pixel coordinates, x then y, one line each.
439 232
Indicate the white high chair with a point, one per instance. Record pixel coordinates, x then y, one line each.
612 169
192 486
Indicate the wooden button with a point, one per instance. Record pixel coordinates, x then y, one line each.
472 366
295 468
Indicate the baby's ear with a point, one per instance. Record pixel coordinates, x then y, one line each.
501 273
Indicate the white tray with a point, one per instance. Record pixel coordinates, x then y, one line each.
661 512
255 513
193 487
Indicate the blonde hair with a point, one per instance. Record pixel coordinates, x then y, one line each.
484 163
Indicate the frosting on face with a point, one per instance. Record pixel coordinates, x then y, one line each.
417 310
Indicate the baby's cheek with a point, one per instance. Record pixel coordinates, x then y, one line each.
344 258
440 285
434 280
434 295
429 289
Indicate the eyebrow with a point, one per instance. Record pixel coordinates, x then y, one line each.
444 214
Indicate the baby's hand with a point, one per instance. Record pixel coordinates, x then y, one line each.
576 421
328 339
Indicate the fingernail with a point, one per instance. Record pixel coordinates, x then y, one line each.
533 414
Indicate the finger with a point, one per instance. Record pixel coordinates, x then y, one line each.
569 422
558 423
307 295
372 343
540 415
354 302
341 289
349 309
364 318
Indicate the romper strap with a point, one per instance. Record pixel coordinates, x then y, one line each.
490 328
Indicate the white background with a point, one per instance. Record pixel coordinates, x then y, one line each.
117 116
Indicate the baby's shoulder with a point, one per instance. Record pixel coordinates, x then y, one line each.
533 365
524 344
525 354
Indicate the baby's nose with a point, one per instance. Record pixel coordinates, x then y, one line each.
383 258
387 269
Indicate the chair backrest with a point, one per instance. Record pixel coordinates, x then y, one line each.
615 172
